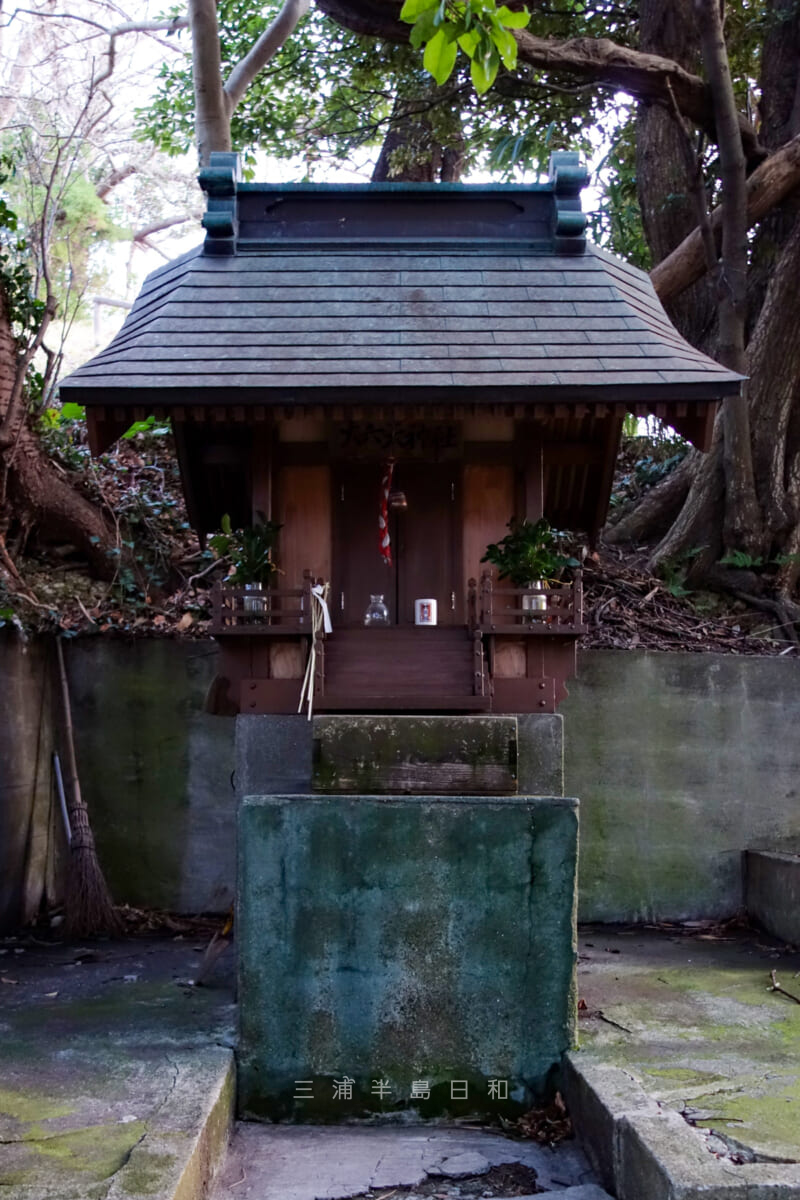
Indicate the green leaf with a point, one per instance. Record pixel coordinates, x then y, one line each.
72 412
506 46
469 41
741 559
414 8
440 57
424 29
513 20
483 70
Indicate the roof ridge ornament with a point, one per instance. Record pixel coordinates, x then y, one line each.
547 217
568 176
219 181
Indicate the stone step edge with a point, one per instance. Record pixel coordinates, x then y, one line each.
641 1149
190 1160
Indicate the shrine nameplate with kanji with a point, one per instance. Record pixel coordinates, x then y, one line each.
429 441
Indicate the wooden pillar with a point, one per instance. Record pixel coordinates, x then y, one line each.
261 460
530 465
612 434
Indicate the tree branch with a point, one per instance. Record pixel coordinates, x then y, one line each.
644 76
141 235
694 168
212 119
265 48
126 27
768 186
117 176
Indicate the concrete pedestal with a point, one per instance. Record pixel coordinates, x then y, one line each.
275 754
772 891
403 952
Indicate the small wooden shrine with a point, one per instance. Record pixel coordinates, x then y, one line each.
460 346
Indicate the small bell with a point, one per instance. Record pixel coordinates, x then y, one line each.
397 501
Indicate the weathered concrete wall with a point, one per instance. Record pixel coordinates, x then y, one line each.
403 938
681 761
32 842
155 770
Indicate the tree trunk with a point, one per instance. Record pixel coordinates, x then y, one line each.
779 108
669 214
772 416
411 152
743 527
697 532
773 360
35 494
42 499
768 189
773 364
212 115
658 508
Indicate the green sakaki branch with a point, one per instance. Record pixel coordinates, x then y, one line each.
478 27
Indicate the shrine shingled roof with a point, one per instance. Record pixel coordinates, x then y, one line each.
396 292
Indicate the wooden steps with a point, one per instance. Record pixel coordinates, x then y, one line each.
403 668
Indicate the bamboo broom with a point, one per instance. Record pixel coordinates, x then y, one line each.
89 907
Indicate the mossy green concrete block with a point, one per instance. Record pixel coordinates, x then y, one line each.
541 754
415 755
772 892
396 940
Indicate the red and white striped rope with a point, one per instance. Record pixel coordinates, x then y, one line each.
385 541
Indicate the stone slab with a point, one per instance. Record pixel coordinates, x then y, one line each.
115 1084
584 1191
683 1029
415 755
772 892
272 755
393 940
642 1149
541 754
305 1162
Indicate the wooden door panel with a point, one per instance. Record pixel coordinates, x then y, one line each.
303 509
488 507
426 544
427 541
359 569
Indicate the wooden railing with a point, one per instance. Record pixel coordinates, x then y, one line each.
237 610
537 611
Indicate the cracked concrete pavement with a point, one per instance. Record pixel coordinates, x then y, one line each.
689 1013
109 1068
111 1064
269 1162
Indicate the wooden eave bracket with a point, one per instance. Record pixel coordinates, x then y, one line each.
695 422
103 431
219 181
